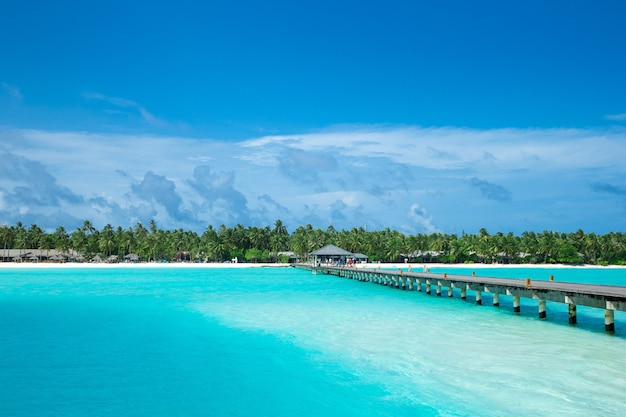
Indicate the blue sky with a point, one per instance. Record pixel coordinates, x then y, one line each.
441 116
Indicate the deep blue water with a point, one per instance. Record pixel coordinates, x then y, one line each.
283 342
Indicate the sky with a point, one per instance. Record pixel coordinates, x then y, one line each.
418 116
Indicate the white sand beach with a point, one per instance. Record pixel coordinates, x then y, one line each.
415 267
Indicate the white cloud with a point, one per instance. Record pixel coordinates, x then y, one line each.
617 117
126 103
13 90
451 148
463 179
421 219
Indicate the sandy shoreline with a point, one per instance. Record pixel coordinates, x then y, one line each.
416 267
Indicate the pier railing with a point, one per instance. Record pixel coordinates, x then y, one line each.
607 297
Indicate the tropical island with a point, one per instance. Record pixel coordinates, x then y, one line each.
275 244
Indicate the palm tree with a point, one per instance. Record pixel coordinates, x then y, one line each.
119 239
46 243
61 240
300 240
355 240
259 237
21 241
78 241
177 241
440 243
548 246
509 247
529 245
279 228
34 235
5 239
88 227
592 247
141 241
217 248
458 250
394 248
106 241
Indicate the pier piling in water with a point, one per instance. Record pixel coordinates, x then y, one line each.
571 313
542 309
609 298
609 317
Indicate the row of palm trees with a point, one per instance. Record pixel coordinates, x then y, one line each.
266 244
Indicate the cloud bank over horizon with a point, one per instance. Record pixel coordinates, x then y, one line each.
408 178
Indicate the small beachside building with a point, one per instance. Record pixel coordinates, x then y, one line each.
38 255
331 254
292 257
360 258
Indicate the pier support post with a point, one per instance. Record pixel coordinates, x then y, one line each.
609 318
450 291
542 309
479 298
463 293
571 313
516 304
496 299
419 284
428 288
410 284
438 290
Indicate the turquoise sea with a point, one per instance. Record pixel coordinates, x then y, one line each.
283 342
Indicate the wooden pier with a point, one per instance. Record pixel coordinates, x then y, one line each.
607 297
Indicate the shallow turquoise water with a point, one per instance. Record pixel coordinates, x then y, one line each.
603 276
282 342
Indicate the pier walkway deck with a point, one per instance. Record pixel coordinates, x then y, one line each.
607 297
